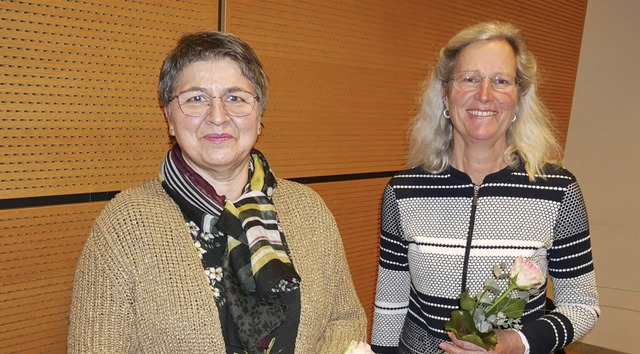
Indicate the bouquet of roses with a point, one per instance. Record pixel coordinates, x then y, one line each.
492 308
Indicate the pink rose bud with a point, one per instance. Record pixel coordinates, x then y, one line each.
526 274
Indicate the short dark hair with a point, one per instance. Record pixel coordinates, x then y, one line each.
208 45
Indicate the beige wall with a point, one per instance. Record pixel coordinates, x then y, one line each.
603 149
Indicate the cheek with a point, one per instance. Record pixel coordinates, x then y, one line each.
509 101
248 124
185 126
459 99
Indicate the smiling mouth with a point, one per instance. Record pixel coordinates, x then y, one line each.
478 113
218 138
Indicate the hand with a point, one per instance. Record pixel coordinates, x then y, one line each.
457 346
509 342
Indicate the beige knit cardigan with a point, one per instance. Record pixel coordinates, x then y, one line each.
140 286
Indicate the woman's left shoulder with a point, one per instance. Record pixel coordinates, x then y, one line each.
558 171
290 190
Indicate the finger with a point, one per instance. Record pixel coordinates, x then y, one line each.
448 347
466 345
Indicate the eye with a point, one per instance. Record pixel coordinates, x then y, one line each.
233 99
470 78
194 98
502 81
237 98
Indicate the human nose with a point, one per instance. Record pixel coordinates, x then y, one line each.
485 91
217 113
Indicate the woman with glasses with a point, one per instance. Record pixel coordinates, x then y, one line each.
485 187
216 255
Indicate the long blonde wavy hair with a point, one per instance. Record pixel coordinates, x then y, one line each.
531 139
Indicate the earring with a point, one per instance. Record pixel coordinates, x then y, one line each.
446 114
514 118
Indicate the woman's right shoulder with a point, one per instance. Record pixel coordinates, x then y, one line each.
401 177
149 189
146 198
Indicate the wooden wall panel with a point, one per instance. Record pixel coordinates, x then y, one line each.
78 115
78 80
39 248
345 74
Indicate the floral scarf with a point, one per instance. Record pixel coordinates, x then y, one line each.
249 275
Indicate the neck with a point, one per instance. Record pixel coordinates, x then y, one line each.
231 188
229 182
477 162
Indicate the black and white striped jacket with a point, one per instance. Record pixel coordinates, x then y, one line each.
440 234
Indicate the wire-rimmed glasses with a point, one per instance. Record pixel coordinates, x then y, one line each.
198 104
471 80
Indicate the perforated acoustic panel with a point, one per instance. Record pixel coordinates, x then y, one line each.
346 74
78 107
39 248
78 115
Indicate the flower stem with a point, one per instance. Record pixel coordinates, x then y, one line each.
506 293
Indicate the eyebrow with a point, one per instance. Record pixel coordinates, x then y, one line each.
478 72
192 89
226 91
239 89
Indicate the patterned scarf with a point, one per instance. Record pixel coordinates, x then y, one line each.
256 266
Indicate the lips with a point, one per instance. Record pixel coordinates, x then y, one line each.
217 137
479 113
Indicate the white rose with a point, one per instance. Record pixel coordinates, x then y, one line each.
525 274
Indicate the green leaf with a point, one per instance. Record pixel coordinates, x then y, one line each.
487 341
513 308
473 338
492 285
467 302
486 298
490 340
461 324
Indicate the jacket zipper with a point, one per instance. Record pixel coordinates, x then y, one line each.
467 251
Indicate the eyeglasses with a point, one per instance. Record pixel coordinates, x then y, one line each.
471 80
198 103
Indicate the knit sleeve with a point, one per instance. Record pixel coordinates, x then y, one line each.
574 286
101 317
347 320
331 313
392 292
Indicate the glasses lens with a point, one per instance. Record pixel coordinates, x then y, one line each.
198 104
503 83
239 103
194 103
467 81
471 80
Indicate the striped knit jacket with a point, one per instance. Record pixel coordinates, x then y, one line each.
441 234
